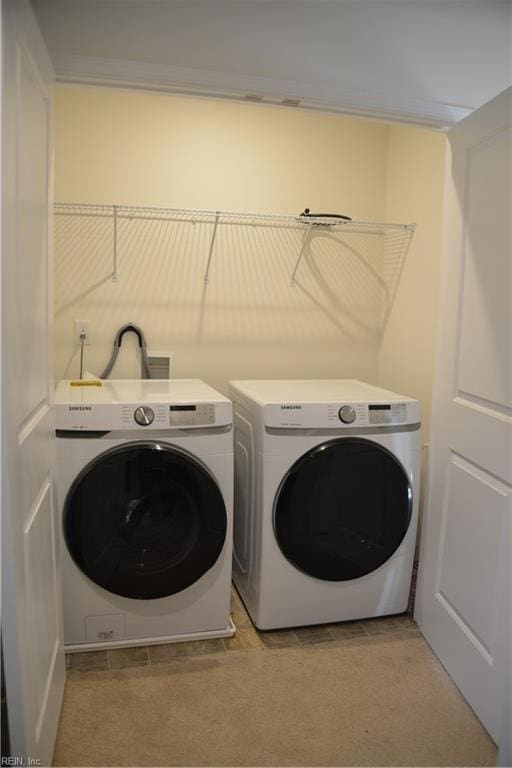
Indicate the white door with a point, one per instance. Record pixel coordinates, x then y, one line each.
464 589
31 617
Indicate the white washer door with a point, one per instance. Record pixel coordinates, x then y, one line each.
144 520
343 509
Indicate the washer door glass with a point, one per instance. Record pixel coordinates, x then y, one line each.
144 520
343 509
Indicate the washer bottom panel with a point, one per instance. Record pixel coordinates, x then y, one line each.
228 631
92 615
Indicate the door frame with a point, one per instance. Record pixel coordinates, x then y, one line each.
32 730
445 393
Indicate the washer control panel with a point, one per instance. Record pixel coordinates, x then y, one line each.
164 416
144 415
191 415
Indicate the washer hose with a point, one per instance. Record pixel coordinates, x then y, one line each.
117 345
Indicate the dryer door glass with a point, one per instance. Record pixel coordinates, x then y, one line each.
145 520
343 509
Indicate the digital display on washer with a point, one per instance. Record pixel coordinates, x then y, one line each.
183 407
379 407
191 415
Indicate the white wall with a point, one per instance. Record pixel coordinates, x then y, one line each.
158 149
414 190
153 149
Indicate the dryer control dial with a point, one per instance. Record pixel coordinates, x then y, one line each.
144 415
347 414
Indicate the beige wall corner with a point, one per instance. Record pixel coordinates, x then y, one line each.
414 193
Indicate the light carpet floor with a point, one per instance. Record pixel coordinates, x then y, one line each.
374 701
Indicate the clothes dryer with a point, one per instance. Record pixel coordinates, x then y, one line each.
144 485
326 500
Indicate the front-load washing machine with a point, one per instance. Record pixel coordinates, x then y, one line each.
326 500
144 489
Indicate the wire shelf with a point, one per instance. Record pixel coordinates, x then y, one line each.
197 215
397 237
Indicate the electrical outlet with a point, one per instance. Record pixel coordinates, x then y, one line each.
82 327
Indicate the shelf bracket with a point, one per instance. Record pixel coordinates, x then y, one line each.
305 239
212 245
114 249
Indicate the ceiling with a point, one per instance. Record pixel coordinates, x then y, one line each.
426 61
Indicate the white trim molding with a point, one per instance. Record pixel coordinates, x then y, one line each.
223 85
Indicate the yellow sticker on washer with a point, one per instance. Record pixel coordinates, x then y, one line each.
86 383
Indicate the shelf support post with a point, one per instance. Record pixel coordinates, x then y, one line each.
114 245
212 245
305 239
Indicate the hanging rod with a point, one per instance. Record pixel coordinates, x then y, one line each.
224 217
200 216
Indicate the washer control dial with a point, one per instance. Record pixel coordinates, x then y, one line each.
347 414
144 415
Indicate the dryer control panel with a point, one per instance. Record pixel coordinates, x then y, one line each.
341 415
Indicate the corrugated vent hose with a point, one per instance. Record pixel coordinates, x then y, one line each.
117 345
